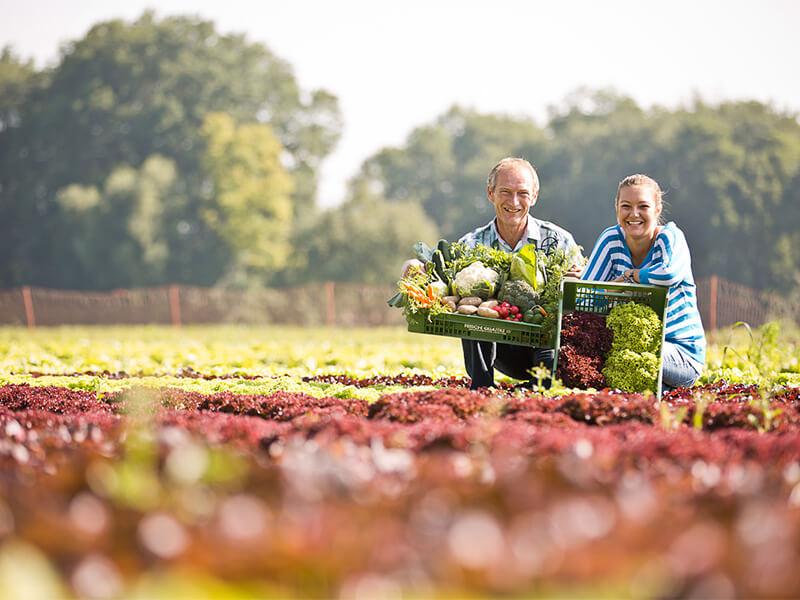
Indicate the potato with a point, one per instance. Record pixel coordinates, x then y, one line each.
451 306
470 301
453 299
467 309
489 304
488 312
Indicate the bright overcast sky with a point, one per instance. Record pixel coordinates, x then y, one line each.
398 65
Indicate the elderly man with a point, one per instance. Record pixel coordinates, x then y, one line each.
512 188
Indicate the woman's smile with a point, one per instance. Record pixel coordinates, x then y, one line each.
638 212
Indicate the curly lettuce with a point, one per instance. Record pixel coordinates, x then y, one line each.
636 327
632 364
631 371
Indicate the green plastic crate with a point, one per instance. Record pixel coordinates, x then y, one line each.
482 329
600 297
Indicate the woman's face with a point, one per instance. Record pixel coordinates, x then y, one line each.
638 210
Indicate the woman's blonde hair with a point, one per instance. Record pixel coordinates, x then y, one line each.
640 179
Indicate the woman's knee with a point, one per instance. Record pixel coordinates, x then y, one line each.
676 369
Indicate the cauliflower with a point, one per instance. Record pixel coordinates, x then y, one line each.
476 280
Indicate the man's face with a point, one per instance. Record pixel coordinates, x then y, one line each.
512 196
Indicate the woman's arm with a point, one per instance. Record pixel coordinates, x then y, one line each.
602 258
674 264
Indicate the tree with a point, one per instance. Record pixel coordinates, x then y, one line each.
119 232
17 80
729 170
127 91
250 207
366 239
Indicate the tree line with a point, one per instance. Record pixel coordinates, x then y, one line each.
159 151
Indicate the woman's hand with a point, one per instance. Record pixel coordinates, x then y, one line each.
629 276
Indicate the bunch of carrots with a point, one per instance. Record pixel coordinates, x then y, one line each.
425 298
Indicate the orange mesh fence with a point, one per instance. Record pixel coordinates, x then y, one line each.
721 303
310 305
12 307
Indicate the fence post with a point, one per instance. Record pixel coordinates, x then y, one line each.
330 303
27 300
175 305
712 302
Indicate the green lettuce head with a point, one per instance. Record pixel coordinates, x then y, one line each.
636 327
631 371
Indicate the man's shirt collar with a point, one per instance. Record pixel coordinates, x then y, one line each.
532 233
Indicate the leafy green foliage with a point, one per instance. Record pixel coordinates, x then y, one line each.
18 79
123 224
251 209
493 258
631 371
636 327
127 91
632 365
557 264
526 266
363 240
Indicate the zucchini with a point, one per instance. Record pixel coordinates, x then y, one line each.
439 265
444 247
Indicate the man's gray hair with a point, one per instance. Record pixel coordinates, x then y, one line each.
507 162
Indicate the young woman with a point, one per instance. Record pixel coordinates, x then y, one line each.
640 249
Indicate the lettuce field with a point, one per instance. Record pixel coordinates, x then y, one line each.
234 462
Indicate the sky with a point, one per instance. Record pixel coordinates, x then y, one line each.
396 66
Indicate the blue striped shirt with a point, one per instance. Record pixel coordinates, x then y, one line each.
668 263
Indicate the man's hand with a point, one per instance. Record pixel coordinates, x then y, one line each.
411 263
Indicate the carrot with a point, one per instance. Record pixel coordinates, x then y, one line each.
417 294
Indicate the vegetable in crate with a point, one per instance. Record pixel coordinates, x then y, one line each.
631 371
632 365
476 280
422 294
558 263
585 340
519 293
578 370
534 316
530 266
636 327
